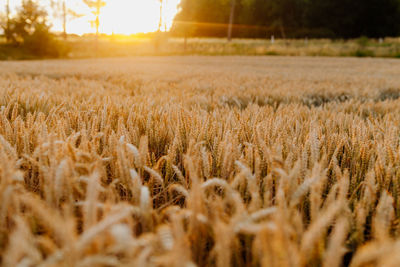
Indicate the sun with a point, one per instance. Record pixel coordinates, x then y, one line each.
128 17
134 16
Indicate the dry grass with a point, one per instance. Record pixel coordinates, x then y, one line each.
185 161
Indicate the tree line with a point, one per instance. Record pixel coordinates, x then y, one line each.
289 18
29 28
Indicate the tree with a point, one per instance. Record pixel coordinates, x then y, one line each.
290 18
7 28
203 17
355 18
5 20
29 31
62 11
30 17
96 5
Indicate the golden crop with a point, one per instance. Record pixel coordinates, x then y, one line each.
185 161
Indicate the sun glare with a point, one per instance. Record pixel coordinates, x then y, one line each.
128 17
135 16
118 16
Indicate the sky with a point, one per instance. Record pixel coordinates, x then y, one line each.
118 16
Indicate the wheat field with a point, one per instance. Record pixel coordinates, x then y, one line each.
200 161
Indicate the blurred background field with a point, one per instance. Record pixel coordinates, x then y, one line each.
109 46
361 47
34 29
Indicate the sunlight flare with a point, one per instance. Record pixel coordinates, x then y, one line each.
135 16
123 17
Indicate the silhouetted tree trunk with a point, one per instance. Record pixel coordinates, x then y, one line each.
231 18
165 18
7 31
98 18
96 5
62 12
64 7
160 21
